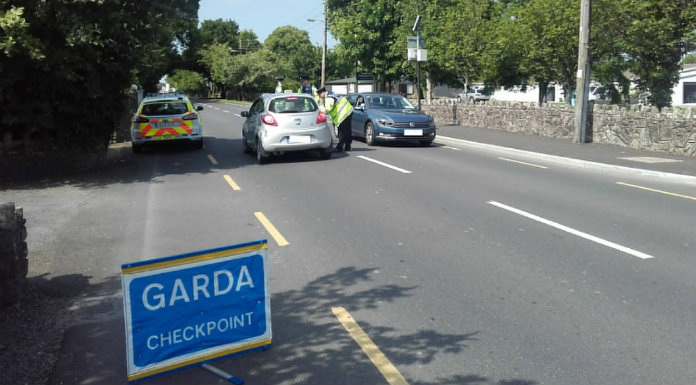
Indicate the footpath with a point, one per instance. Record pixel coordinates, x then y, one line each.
595 155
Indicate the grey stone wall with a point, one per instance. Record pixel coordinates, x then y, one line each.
670 130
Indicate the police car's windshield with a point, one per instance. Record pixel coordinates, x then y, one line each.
165 108
389 102
292 104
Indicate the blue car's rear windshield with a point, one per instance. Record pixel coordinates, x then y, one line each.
292 104
389 102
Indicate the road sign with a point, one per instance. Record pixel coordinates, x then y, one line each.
365 76
191 308
416 42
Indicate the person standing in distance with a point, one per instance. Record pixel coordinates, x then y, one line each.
307 88
279 85
341 114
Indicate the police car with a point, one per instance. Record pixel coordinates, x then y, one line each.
166 117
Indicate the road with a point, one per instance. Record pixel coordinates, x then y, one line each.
461 265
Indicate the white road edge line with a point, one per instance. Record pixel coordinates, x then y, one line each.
385 164
578 233
690 179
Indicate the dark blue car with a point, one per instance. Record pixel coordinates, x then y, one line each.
390 118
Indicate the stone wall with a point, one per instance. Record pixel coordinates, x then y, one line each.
670 130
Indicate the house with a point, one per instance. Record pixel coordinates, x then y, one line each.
347 86
684 93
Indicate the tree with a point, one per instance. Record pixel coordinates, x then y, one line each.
549 30
67 64
187 81
368 29
295 52
658 34
219 31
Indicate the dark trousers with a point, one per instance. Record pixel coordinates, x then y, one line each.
345 135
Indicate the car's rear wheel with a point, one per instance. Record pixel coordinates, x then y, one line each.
325 153
370 134
198 144
261 156
245 146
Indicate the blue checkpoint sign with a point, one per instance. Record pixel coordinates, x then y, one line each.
192 308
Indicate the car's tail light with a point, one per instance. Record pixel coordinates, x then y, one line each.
269 119
191 116
321 118
140 119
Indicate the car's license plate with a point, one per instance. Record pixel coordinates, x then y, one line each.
299 139
410 132
162 124
164 137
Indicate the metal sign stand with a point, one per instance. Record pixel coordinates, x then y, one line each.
223 374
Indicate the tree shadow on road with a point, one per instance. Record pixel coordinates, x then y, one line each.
310 346
121 165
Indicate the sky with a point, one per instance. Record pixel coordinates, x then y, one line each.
264 16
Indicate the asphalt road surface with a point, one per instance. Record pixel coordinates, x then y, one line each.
461 265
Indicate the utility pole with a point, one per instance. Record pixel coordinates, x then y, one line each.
583 78
323 49
416 28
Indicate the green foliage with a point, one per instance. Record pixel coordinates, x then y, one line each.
658 33
689 59
369 31
188 81
219 32
67 64
295 53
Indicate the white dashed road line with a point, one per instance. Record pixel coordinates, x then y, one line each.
578 233
385 164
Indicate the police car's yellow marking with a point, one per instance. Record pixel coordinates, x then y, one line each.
194 258
182 364
524 163
212 159
657 191
232 184
280 240
388 370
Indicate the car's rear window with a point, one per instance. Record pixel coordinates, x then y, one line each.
165 108
292 104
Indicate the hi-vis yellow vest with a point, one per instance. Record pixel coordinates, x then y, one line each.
340 111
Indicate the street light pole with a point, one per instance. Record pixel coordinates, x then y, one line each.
323 50
323 47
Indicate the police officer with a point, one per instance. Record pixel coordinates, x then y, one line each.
279 85
341 114
307 88
325 104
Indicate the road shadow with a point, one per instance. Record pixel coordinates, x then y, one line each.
310 346
85 343
121 165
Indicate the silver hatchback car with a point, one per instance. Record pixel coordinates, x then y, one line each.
279 123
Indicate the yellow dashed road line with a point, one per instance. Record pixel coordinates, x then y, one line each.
232 184
657 191
280 240
388 370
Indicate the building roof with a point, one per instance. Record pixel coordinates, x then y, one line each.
349 81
